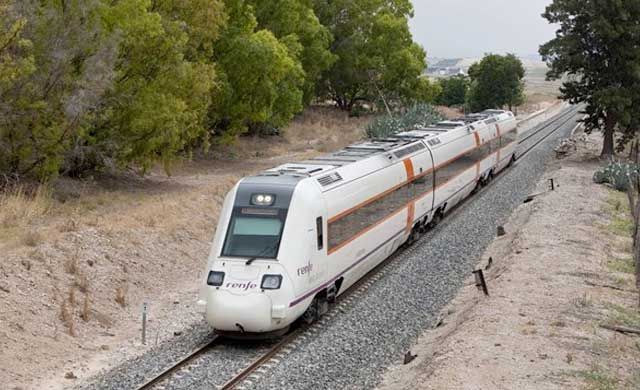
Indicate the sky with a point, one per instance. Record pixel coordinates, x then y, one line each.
471 28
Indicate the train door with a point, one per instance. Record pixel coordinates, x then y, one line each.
316 269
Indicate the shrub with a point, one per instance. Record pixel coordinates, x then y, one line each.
618 174
420 115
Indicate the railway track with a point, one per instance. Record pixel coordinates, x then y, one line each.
533 138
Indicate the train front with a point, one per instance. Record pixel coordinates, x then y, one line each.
247 289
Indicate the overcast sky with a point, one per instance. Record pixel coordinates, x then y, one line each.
470 28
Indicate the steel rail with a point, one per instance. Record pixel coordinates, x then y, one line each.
563 117
568 113
244 374
176 366
562 120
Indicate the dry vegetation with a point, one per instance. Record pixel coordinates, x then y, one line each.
560 281
80 254
83 255
539 92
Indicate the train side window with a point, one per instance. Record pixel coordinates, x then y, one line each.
319 233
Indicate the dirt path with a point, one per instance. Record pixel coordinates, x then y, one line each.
560 272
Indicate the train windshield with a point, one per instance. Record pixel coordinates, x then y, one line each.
253 234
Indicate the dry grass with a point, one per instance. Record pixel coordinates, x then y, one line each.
121 295
32 238
70 225
325 129
82 282
85 314
72 297
71 264
66 315
18 208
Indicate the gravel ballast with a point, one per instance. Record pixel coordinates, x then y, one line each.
375 331
370 332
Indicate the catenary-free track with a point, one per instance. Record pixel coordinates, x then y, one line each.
529 141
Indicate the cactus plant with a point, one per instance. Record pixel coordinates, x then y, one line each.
618 174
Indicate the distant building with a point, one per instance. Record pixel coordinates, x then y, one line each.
446 68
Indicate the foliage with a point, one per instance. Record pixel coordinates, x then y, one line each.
376 55
295 24
158 101
496 81
420 115
597 47
619 174
88 85
261 83
52 60
454 91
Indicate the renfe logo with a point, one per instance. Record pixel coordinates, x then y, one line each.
305 270
241 286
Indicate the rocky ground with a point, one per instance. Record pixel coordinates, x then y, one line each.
562 271
81 257
78 262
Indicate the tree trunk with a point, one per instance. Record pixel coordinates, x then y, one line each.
607 147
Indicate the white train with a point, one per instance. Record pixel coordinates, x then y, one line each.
293 238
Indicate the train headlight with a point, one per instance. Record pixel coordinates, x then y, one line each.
215 278
271 282
263 199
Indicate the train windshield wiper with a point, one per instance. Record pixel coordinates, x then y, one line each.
262 252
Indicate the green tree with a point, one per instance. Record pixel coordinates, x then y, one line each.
159 100
203 21
261 80
597 47
454 91
53 51
295 24
496 81
377 57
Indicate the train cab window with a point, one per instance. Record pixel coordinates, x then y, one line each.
253 235
319 233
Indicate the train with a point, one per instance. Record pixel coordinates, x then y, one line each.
291 239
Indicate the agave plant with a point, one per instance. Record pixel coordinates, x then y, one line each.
420 115
619 175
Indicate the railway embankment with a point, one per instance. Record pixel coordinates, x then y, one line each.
561 275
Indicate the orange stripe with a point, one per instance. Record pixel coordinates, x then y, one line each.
390 190
383 194
408 166
385 219
411 213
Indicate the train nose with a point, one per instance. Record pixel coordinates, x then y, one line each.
225 311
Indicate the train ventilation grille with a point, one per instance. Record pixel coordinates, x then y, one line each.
329 179
408 150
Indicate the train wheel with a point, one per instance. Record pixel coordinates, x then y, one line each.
490 177
435 220
424 226
477 187
318 307
414 236
512 161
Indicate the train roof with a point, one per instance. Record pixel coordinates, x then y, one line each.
328 168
